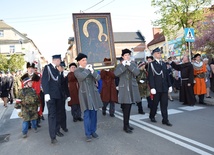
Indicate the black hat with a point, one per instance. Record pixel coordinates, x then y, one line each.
156 50
149 57
62 64
80 56
30 65
124 51
72 64
56 56
197 55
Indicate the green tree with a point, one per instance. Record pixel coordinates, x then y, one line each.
3 63
178 14
15 62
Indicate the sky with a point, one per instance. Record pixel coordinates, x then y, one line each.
49 22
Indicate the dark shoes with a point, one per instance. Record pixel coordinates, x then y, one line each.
130 128
75 120
112 115
104 113
202 103
53 141
94 135
65 130
167 123
153 120
127 130
80 119
59 134
141 112
88 139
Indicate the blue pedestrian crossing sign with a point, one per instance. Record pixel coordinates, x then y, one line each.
189 34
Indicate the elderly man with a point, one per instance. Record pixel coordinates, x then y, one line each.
160 85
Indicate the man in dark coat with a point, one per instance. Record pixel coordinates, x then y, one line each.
11 85
128 87
108 91
160 85
89 96
187 81
4 92
73 86
51 84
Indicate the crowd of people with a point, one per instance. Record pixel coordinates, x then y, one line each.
86 90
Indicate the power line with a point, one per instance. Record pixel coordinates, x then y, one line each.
105 5
93 6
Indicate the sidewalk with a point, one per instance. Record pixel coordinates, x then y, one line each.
208 101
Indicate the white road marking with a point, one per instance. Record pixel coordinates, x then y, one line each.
191 108
171 111
166 134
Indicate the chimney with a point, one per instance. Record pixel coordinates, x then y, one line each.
155 32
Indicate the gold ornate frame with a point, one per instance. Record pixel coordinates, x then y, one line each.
94 37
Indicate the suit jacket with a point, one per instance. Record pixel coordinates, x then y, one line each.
49 85
128 87
159 82
89 96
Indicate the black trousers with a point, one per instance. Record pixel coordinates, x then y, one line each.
62 116
126 115
11 94
42 97
76 111
201 98
161 97
150 101
53 116
111 109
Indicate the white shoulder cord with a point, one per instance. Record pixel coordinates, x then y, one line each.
154 71
50 73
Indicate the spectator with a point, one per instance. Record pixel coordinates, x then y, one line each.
207 76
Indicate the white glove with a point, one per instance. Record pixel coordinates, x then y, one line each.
128 63
170 89
107 70
68 99
124 63
117 88
88 66
141 81
47 97
153 91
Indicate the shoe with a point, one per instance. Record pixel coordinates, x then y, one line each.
104 113
74 120
65 130
24 136
39 126
202 103
88 139
131 128
153 120
141 112
35 130
59 134
112 115
80 119
29 127
94 135
208 97
171 100
127 130
42 117
54 141
166 123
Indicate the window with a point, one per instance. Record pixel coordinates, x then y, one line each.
1 33
12 49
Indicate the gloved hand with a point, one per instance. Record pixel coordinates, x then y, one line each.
87 66
107 70
170 89
128 63
124 62
47 97
141 81
117 88
68 99
153 91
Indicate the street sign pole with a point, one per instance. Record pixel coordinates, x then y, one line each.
189 52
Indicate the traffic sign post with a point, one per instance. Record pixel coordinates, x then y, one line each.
189 36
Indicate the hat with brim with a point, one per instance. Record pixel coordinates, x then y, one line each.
72 64
149 57
156 50
58 56
196 55
124 51
80 56
107 61
26 80
141 64
30 65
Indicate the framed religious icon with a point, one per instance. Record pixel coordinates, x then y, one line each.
94 37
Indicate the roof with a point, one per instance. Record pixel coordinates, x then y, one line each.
121 37
158 38
3 25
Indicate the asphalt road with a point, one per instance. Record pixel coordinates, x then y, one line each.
192 133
